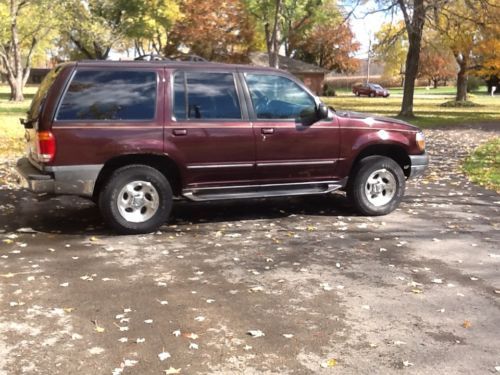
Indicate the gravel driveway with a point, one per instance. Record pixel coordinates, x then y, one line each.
320 289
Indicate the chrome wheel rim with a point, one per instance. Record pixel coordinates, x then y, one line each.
138 201
380 187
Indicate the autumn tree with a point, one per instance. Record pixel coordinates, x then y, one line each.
22 30
390 48
436 64
329 46
92 27
279 19
148 23
219 31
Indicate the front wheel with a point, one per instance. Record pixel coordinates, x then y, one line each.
136 199
376 186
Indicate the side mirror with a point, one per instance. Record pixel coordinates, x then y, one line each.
322 111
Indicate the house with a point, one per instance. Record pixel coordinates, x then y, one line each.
312 75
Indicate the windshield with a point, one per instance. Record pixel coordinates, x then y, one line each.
40 95
377 87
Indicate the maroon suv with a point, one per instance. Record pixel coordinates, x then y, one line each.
134 135
370 89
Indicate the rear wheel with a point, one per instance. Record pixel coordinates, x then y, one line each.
372 95
136 199
357 93
376 186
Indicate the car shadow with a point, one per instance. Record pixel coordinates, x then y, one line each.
76 216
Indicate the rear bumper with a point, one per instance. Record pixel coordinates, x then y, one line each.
419 164
71 180
33 179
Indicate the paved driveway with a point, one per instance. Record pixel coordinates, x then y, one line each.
417 291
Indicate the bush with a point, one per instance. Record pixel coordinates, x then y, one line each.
473 84
329 90
460 104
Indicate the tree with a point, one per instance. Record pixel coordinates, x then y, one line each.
436 64
329 46
279 19
149 23
219 31
391 48
92 27
21 30
462 26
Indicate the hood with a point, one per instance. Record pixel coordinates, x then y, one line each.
364 116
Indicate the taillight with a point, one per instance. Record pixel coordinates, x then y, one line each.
46 146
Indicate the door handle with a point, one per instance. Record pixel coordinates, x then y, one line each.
267 130
180 131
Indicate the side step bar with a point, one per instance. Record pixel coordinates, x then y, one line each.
262 191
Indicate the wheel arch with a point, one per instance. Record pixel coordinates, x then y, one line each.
393 151
161 162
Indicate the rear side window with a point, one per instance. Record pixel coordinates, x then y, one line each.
205 96
110 95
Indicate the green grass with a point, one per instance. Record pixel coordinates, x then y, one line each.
427 108
11 131
483 165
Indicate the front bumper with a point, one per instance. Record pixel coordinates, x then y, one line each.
33 179
419 164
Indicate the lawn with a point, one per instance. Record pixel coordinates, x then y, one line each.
483 165
11 131
427 107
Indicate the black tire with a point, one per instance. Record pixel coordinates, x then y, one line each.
372 95
108 199
358 185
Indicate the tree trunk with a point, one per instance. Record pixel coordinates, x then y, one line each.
436 82
414 28
16 90
273 37
411 71
462 78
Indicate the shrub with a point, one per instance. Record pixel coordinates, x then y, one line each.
473 83
329 90
460 104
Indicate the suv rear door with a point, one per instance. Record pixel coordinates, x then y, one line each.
208 131
288 148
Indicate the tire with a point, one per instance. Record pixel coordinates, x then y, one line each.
136 199
377 186
357 93
372 95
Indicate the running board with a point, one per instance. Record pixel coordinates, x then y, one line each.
262 191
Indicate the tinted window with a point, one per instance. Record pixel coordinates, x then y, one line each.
209 96
110 95
276 97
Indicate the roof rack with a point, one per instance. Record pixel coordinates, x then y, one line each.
179 57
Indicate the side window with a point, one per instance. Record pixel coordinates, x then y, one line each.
276 97
110 95
208 96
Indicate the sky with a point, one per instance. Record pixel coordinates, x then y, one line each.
366 25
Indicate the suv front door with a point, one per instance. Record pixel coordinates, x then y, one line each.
289 146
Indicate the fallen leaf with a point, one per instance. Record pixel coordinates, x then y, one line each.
466 324
96 350
193 346
192 336
177 333
97 327
200 318
287 335
437 281
148 321
256 333
171 371
407 364
140 340
332 362
164 355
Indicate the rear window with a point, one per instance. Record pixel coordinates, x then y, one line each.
110 95
205 96
41 94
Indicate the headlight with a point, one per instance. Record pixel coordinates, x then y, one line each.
420 139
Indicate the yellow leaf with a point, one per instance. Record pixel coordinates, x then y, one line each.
417 291
332 362
172 370
68 309
7 241
466 324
